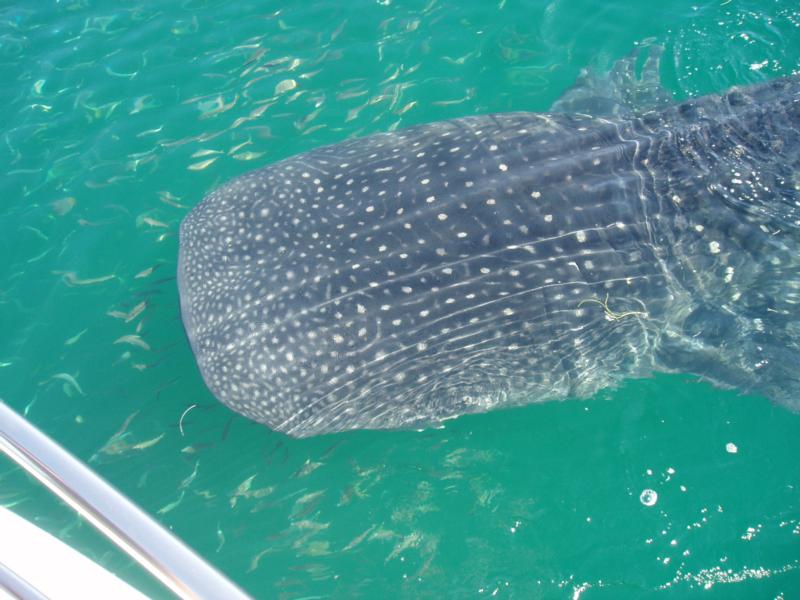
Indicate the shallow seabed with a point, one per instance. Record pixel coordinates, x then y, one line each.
117 121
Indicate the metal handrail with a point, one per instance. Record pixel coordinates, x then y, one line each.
163 555
12 583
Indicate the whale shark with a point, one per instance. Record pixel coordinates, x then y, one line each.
404 278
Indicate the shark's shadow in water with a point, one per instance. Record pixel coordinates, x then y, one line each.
404 278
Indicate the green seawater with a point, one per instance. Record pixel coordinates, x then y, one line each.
118 117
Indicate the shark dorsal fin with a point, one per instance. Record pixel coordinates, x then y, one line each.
621 92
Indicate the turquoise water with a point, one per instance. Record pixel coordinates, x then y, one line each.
117 121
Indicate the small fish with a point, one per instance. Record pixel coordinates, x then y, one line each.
187 481
70 380
128 316
144 273
136 311
143 103
211 108
308 467
150 131
172 505
360 538
338 30
72 279
87 223
238 147
123 357
255 56
407 107
306 505
75 338
330 450
257 558
133 340
244 491
126 423
226 430
63 206
255 79
259 110
37 232
248 155
285 86
461 59
194 448
169 198
205 152
347 95
199 166
301 124
411 540
152 222
241 490
147 443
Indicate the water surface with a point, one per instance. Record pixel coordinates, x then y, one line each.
117 121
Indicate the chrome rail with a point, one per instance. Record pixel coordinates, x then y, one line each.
163 555
17 586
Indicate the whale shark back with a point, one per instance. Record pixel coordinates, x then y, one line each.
409 277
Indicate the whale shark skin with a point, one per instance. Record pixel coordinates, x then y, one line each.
404 278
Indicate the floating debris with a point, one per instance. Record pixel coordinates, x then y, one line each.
180 421
220 537
648 497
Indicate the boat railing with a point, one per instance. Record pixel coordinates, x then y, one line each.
137 534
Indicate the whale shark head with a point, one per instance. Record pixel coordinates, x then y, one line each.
409 277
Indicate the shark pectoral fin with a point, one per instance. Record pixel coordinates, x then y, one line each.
620 92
